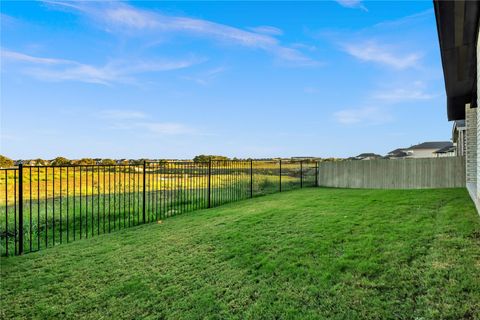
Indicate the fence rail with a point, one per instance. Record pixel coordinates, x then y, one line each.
42 206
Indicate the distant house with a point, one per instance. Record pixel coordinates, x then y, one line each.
459 137
448 151
366 156
430 149
305 159
427 149
36 162
397 154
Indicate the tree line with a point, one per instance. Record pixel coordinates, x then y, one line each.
6 162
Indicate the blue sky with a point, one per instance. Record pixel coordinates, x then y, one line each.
252 79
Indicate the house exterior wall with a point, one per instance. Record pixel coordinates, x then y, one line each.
460 142
446 154
471 148
472 141
422 153
477 193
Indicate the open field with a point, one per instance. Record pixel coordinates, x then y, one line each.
63 204
311 253
47 182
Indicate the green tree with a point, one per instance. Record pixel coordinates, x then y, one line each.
137 161
60 161
5 162
40 162
206 158
107 162
85 161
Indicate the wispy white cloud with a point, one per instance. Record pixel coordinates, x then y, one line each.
52 69
295 57
9 21
371 51
400 95
21 57
364 115
304 46
407 21
396 44
205 78
119 17
130 18
139 122
81 73
356 4
403 93
269 30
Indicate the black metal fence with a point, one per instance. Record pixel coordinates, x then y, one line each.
42 206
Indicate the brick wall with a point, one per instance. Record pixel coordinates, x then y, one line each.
478 121
471 147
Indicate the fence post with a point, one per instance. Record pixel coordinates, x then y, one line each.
20 208
280 175
209 183
316 173
144 191
251 178
301 174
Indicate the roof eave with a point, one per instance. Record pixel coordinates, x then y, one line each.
457 28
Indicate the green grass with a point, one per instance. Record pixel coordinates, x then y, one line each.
52 221
312 253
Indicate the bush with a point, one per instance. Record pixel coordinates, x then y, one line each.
60 161
85 161
5 162
40 162
107 162
137 162
206 158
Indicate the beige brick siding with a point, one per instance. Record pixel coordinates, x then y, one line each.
471 149
478 118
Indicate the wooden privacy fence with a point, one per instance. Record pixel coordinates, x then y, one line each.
445 172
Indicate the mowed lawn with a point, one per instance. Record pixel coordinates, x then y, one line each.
313 253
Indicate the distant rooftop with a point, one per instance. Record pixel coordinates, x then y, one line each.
446 149
303 157
364 155
397 151
431 145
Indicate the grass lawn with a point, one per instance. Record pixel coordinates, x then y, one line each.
311 253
